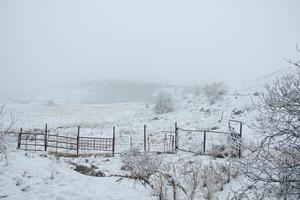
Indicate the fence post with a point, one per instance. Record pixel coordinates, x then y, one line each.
204 142
27 135
34 142
173 143
148 144
56 143
145 139
78 131
165 142
176 137
114 139
240 140
46 138
20 138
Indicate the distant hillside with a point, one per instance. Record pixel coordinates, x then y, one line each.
100 92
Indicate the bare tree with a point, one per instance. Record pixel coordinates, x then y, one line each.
275 160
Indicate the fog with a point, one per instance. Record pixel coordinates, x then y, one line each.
56 42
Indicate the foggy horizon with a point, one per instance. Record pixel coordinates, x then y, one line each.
46 44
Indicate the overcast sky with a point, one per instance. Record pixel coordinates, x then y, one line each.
55 42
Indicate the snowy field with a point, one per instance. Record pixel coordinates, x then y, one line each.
29 177
43 176
34 115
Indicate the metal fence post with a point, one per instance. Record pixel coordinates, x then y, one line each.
20 138
114 139
240 140
46 138
176 137
204 142
173 144
145 139
78 131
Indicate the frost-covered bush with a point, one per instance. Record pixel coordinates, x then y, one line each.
192 179
275 160
164 102
186 179
140 166
215 176
218 151
4 130
215 91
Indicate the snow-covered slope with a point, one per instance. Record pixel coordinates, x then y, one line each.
32 173
99 92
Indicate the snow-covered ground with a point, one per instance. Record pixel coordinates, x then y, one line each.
38 177
29 177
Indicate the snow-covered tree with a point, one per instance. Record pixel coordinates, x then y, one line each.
275 161
164 102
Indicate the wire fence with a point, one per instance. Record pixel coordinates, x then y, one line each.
144 140
65 144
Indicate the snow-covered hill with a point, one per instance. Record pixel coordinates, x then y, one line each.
98 92
192 111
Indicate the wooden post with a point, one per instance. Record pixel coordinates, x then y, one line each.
204 142
145 140
114 139
78 131
20 138
176 137
240 140
46 132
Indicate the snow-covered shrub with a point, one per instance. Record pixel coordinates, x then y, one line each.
275 160
164 102
218 151
215 91
3 132
192 175
140 166
160 186
215 176
2 143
